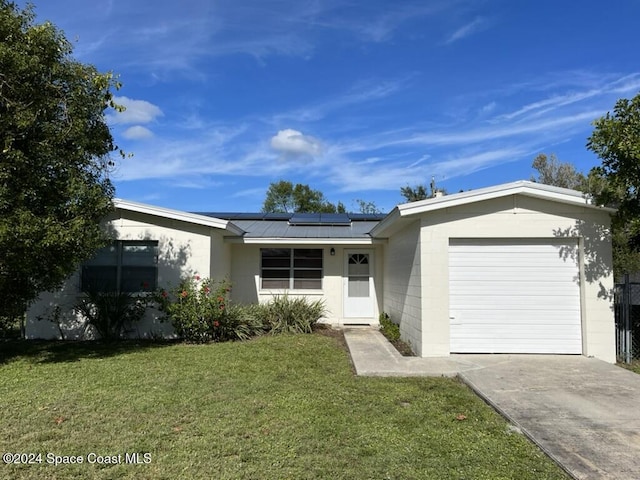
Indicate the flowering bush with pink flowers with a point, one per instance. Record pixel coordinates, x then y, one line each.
200 311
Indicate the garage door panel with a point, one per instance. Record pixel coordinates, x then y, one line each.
514 288
514 298
514 274
523 317
517 330
510 303
559 349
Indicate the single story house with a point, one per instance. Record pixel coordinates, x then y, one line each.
515 268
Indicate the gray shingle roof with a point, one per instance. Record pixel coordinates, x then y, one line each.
268 225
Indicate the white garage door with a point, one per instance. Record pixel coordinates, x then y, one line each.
514 297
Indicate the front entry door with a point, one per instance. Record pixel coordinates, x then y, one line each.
358 284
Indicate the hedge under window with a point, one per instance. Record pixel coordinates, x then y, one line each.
291 268
124 266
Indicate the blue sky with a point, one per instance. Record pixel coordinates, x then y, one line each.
356 98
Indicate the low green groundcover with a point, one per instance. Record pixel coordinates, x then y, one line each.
277 407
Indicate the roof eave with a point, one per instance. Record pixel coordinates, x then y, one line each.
301 241
178 215
526 188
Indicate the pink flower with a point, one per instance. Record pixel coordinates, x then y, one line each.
207 289
184 294
197 277
216 323
221 299
164 294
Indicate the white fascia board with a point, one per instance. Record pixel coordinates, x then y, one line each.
178 215
302 241
531 189
384 224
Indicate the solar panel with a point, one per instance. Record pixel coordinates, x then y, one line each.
336 219
308 219
247 215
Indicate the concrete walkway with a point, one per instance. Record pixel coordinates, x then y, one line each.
584 413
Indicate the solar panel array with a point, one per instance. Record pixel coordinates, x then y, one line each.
304 219
335 219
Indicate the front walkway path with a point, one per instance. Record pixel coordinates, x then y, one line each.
584 413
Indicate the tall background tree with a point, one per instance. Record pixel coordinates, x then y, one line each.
54 158
553 172
285 197
605 190
616 182
421 192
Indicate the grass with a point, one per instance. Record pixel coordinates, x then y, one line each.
634 366
277 407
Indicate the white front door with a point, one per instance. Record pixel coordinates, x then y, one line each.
358 284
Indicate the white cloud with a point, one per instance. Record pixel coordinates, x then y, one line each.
475 26
488 108
137 111
293 143
137 132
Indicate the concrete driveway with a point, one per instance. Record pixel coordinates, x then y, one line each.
582 412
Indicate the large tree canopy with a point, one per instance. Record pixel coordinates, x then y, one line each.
54 160
616 140
285 197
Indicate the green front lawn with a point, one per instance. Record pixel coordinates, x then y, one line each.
278 407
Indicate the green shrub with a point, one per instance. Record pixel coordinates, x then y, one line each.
284 314
388 328
10 327
110 313
200 311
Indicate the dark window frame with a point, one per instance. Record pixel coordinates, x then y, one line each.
291 268
125 273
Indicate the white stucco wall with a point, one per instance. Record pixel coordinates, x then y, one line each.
183 249
245 278
518 216
403 284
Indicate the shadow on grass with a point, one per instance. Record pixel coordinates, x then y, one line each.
37 351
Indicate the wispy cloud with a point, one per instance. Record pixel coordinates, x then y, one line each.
381 26
624 85
376 159
362 92
477 25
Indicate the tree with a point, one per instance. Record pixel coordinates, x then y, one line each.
616 140
285 197
616 182
54 188
422 192
367 207
414 194
553 172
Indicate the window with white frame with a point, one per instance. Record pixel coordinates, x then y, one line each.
291 268
123 266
